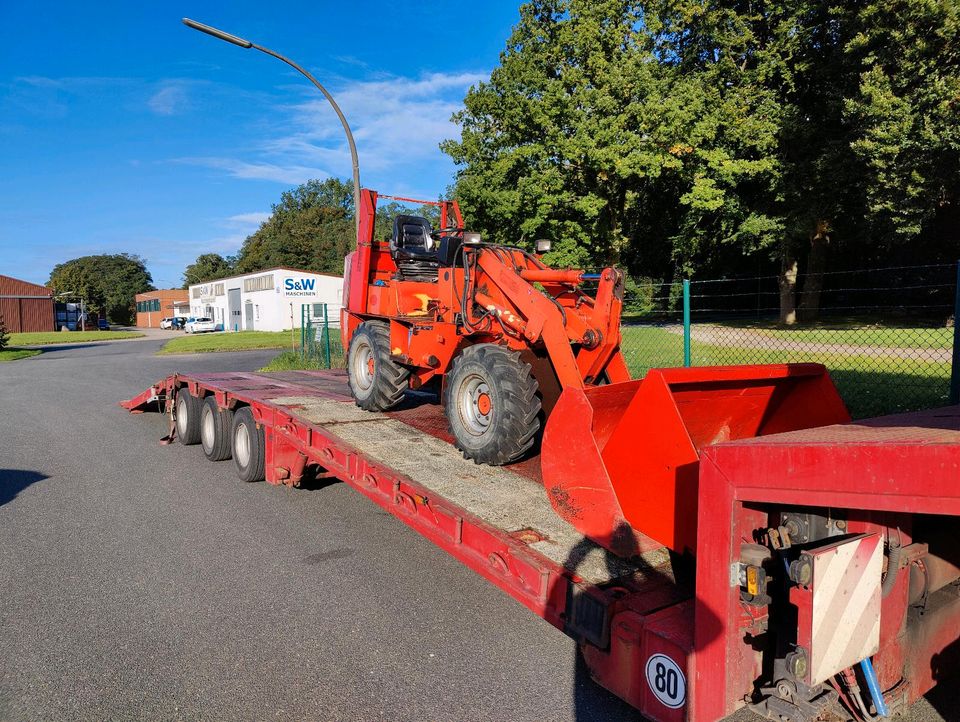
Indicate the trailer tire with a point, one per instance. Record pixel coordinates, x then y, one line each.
247 445
188 418
216 425
377 382
491 403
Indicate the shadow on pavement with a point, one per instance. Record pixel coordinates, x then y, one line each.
13 481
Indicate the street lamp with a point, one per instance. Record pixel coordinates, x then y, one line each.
241 42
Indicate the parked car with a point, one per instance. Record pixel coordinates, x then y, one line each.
167 323
102 324
179 322
200 325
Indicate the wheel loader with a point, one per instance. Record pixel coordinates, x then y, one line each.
523 355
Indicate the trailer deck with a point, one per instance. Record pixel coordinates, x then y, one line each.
497 520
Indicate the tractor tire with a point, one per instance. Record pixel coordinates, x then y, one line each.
216 425
376 381
247 446
188 418
491 403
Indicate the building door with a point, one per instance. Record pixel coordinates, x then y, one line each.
249 310
233 302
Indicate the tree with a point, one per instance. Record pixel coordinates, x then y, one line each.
312 228
106 283
679 137
208 267
4 334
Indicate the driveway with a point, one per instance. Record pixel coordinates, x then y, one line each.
143 582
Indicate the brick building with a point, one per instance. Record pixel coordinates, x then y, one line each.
25 306
153 306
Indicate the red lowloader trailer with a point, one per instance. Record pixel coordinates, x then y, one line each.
823 572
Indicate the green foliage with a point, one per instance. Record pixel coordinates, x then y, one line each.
208 267
678 135
4 334
106 283
311 228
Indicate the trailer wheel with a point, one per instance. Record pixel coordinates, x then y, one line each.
247 446
491 404
188 418
377 382
216 425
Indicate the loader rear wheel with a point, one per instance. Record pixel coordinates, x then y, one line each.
188 418
491 404
247 446
215 427
377 382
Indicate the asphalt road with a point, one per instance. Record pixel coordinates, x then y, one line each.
139 581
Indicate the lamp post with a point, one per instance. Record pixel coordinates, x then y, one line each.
246 44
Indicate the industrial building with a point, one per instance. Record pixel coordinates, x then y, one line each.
153 306
268 300
25 306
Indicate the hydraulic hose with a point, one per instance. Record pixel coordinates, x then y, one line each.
866 666
894 552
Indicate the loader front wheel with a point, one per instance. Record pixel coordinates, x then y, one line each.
377 382
491 404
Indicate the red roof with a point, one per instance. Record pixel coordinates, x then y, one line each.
22 289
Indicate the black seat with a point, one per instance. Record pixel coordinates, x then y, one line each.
413 248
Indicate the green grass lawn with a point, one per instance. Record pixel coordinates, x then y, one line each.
890 337
50 337
315 360
870 385
12 354
226 341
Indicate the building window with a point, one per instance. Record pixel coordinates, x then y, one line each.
218 289
258 283
195 291
148 306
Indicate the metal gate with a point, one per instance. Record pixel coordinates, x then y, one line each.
233 303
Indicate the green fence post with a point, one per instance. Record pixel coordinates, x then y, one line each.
303 331
326 332
686 322
955 363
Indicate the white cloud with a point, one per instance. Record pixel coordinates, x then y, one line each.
286 174
169 100
248 219
398 124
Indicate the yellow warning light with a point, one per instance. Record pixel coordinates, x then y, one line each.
753 580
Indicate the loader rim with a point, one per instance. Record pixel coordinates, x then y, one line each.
474 405
364 366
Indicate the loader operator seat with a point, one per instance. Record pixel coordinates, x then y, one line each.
414 249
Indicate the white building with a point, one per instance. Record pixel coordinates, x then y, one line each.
269 300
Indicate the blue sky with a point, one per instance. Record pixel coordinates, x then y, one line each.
121 130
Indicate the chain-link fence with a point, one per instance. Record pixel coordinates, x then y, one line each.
320 345
885 334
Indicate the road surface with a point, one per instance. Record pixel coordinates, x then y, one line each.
143 582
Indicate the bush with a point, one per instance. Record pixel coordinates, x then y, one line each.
4 334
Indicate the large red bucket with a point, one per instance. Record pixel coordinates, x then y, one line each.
624 458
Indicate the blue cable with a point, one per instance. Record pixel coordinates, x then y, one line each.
874 686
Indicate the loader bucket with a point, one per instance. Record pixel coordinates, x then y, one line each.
625 456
